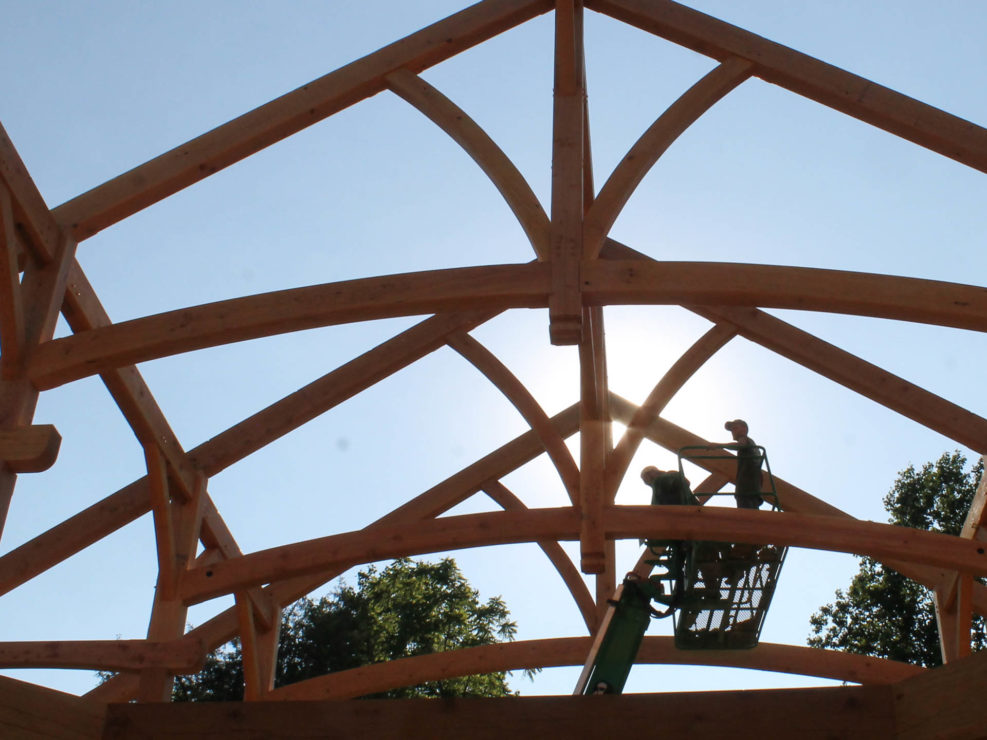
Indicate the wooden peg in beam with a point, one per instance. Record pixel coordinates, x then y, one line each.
30 449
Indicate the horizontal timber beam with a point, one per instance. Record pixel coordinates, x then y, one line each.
880 541
180 656
173 332
848 93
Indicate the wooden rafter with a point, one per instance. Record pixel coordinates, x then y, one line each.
165 175
848 93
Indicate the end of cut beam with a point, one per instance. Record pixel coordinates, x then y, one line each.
29 449
593 563
563 330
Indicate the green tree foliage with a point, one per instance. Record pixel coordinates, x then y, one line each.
408 608
883 613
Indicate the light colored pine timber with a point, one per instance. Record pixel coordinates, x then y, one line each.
568 651
643 155
848 93
30 449
565 306
837 534
29 712
502 172
238 319
165 175
181 656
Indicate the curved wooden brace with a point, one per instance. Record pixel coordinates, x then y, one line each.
567 651
462 289
172 171
558 557
608 282
848 93
505 286
838 534
477 143
641 157
497 373
678 374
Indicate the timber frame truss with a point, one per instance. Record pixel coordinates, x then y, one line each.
577 271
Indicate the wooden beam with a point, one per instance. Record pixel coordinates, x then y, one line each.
812 714
854 373
838 534
565 306
519 396
620 282
31 215
155 180
945 702
503 173
29 449
181 656
641 157
278 312
594 422
330 390
29 712
568 651
556 555
855 96
12 329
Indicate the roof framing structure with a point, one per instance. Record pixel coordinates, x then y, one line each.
577 269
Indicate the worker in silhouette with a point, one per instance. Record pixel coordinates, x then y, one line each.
668 487
747 487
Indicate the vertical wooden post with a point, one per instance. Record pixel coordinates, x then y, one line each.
595 440
568 145
30 306
176 527
954 616
259 644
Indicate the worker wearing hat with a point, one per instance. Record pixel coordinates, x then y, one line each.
747 487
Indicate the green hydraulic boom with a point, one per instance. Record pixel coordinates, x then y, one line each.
717 593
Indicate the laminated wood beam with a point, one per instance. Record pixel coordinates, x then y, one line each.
502 172
568 178
519 396
558 556
490 287
155 180
848 93
837 534
645 152
567 651
181 656
625 282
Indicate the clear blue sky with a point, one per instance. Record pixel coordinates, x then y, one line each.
88 90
